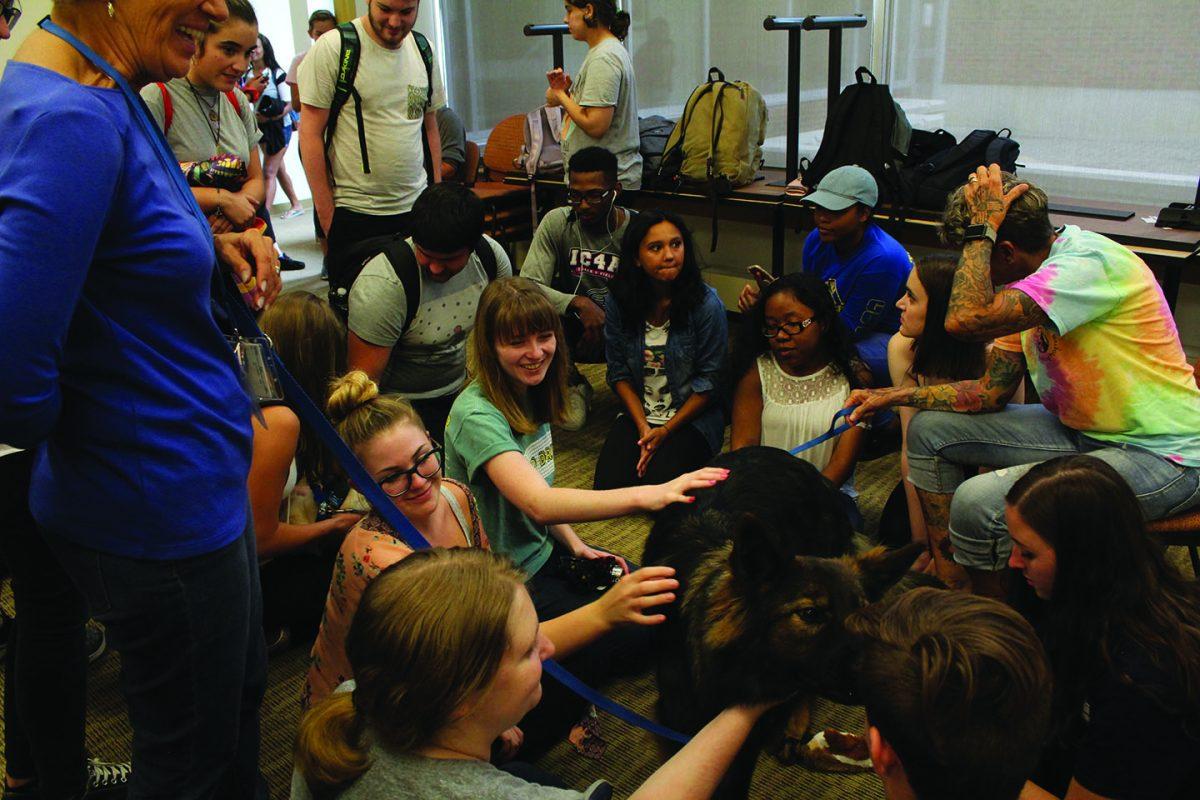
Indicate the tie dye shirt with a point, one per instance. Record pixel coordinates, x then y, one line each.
1115 368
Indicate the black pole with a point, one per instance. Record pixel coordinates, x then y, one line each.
558 31
835 65
793 107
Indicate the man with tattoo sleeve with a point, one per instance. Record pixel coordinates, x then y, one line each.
1088 320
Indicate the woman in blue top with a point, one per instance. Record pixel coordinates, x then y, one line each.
666 340
116 371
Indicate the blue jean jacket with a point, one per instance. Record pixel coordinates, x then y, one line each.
695 359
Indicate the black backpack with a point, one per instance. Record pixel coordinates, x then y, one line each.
405 265
928 184
653 133
863 127
343 88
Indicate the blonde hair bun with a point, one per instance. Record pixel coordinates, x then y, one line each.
349 393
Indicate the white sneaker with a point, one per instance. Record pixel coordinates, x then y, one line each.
578 403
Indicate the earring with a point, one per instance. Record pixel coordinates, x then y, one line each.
112 12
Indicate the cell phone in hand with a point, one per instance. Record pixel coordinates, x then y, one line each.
760 275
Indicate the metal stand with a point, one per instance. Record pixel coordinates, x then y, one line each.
558 31
794 27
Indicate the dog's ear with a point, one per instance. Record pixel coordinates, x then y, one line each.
879 568
756 553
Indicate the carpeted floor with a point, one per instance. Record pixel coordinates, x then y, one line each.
632 754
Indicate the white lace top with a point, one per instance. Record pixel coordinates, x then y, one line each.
798 409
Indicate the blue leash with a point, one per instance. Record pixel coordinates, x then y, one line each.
303 405
881 418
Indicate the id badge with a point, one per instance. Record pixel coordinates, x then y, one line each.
258 368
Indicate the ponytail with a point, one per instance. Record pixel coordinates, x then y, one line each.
605 13
329 747
620 25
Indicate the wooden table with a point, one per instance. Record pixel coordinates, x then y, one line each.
760 203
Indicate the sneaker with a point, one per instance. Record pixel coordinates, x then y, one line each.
106 780
577 405
289 264
293 212
97 641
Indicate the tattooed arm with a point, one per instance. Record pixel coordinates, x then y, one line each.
976 311
1003 375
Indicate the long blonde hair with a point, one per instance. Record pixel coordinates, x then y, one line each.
512 308
429 634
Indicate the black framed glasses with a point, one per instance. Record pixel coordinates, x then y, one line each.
788 328
11 11
428 465
593 198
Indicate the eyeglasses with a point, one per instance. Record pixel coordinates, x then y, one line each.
11 11
788 328
593 198
428 465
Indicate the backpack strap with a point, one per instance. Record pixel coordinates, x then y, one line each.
404 263
487 257
232 95
343 90
426 58
168 107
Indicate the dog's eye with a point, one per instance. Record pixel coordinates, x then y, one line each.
811 614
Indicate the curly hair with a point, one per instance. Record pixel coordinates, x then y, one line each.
806 288
631 288
1026 225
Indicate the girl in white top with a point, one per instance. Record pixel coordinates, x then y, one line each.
796 371
600 107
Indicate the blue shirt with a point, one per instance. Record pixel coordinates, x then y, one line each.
867 284
695 358
112 362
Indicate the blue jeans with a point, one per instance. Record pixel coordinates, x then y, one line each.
193 664
945 448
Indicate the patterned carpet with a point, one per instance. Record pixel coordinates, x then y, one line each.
632 754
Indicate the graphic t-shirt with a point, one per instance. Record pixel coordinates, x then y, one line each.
656 392
1112 366
568 260
866 284
477 432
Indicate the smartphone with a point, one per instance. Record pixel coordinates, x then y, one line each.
760 275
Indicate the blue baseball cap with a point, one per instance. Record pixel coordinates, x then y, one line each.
843 187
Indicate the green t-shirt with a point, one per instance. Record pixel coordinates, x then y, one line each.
477 432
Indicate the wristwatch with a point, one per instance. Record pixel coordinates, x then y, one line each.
980 231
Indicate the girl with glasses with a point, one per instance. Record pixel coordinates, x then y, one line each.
389 438
666 341
797 367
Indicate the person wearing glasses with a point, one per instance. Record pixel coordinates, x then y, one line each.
10 12
863 266
387 435
423 359
575 252
666 341
797 367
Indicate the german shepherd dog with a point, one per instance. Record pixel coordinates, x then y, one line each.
766 580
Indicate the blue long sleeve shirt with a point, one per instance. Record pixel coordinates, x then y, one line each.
110 361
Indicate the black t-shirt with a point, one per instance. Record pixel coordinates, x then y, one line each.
1128 747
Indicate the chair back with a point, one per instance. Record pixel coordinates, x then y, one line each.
503 147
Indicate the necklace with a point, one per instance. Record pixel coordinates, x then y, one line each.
210 112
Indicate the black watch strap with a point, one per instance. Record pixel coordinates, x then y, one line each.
981 231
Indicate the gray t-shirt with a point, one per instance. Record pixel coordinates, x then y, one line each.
606 79
567 259
430 359
193 131
453 134
419 778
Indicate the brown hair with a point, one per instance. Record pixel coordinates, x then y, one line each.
605 13
937 354
360 413
511 308
429 634
1112 586
1026 225
311 341
958 686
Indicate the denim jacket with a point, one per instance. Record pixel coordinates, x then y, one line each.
695 359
